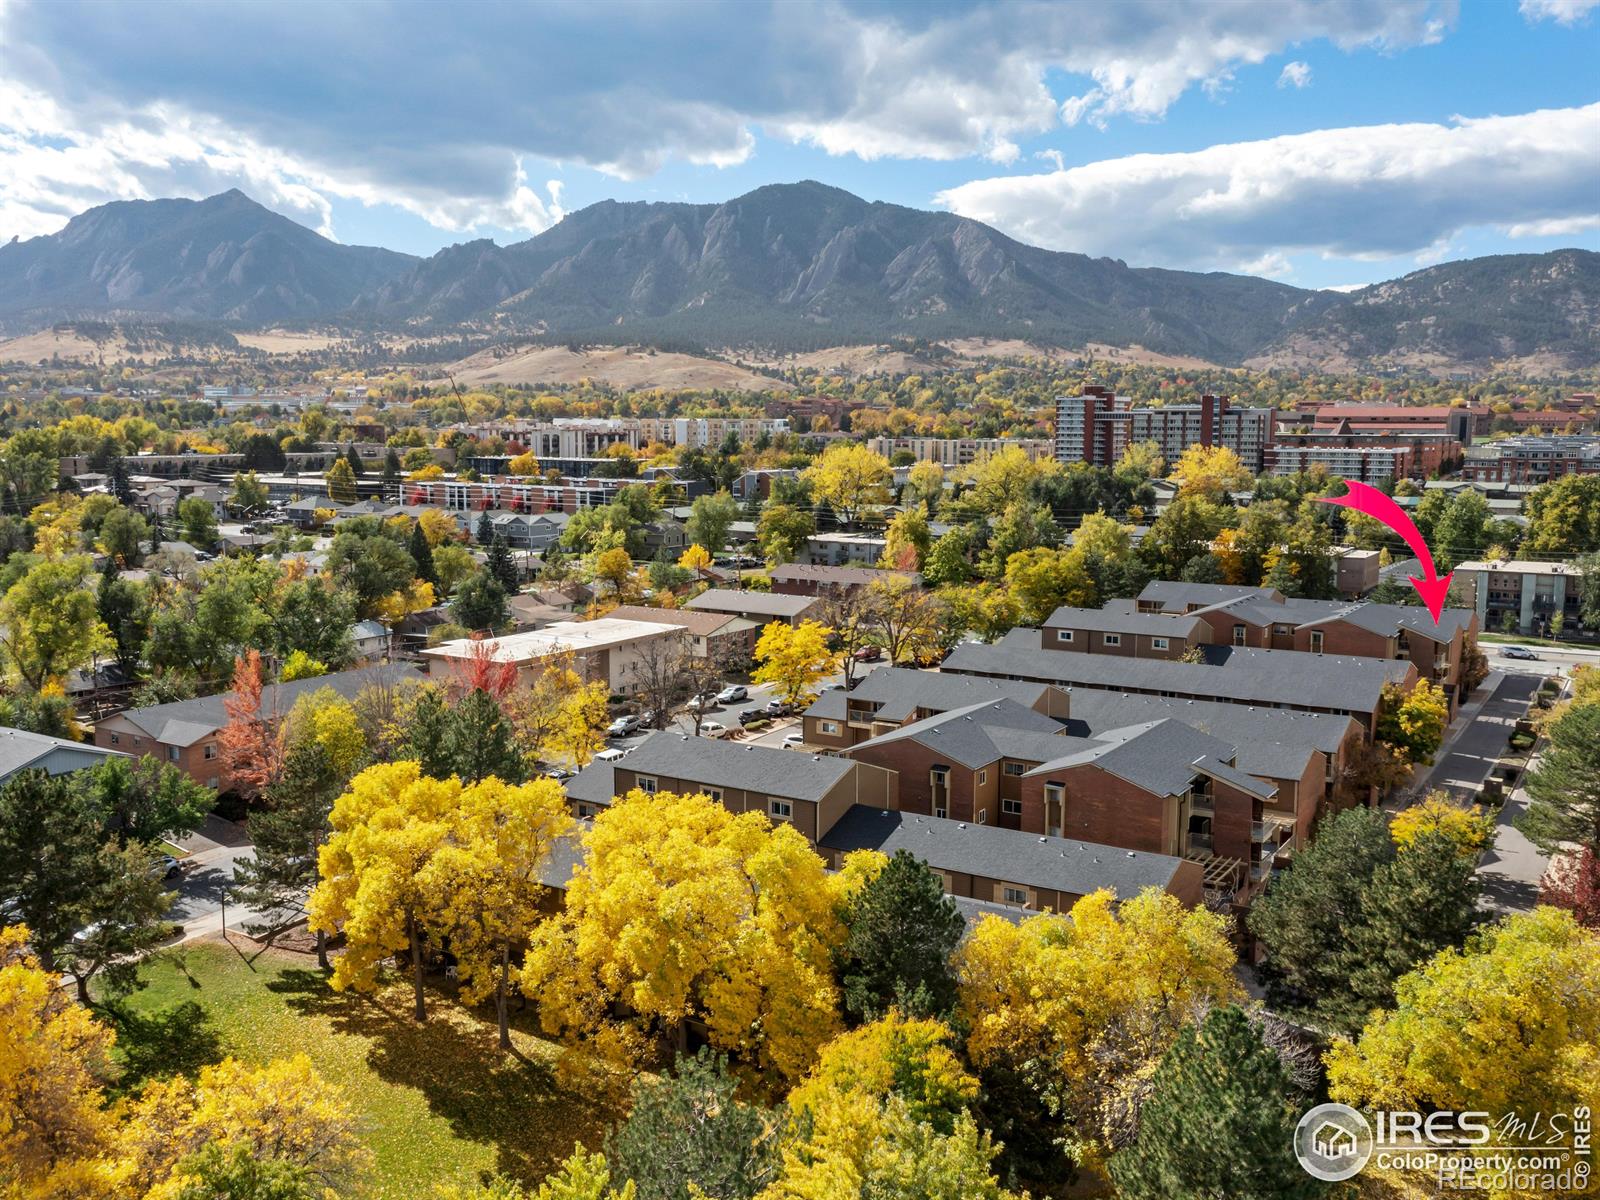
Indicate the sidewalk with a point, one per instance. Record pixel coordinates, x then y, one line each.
1511 868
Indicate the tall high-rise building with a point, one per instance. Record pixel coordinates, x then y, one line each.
1098 426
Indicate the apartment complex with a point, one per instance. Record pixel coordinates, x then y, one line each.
1529 593
584 438
844 804
958 452
1098 426
1532 459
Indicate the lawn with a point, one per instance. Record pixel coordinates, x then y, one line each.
439 1102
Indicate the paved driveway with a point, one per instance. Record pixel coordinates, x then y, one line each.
1468 759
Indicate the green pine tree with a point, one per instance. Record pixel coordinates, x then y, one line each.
354 459
485 530
501 565
479 741
425 734
391 467
688 1128
288 832
1420 902
422 554
903 929
1564 790
1219 1122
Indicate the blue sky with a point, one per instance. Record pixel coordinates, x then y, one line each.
1326 144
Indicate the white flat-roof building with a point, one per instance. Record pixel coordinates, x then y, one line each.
606 650
1531 593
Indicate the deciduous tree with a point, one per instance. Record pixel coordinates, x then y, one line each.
250 745
758 970
1510 1023
850 478
49 622
906 620
794 659
386 829
1083 1007
710 519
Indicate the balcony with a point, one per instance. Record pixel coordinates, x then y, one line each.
1202 804
1200 843
1272 830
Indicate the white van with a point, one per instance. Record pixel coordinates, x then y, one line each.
610 754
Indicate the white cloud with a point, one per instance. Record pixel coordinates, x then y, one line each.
1367 192
1562 12
434 108
1295 75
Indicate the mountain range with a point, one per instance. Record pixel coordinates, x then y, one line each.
787 266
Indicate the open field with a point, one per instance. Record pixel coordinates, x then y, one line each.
438 1102
620 366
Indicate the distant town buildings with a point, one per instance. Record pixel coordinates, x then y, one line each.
1097 427
1532 459
957 452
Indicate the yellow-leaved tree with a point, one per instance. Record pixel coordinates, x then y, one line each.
1470 830
487 880
1084 1006
682 910
55 1131
386 829
283 1112
794 659
60 1135
1210 472
850 478
696 558
1510 1023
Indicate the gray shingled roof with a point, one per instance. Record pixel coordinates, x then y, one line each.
792 774
1282 677
1175 595
1118 620
20 748
1271 742
184 722
976 734
1162 757
767 604
901 691
595 784
825 575
1058 864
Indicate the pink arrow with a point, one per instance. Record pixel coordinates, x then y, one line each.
1369 501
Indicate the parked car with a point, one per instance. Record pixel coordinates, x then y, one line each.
751 715
623 726
778 708
734 693
795 741
701 703
707 727
611 754
559 773
165 866
868 654
1519 652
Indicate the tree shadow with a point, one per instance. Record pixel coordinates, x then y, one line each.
173 1041
505 1099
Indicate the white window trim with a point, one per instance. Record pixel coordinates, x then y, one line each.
1015 768
1316 641
942 812
715 794
983 777
828 726
646 783
1063 635
1011 808
1111 639
780 810
1159 643
1014 895
983 816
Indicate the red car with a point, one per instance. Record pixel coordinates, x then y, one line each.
868 654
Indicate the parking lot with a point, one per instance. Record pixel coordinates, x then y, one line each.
720 717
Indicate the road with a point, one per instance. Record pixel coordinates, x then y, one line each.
215 849
1470 754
